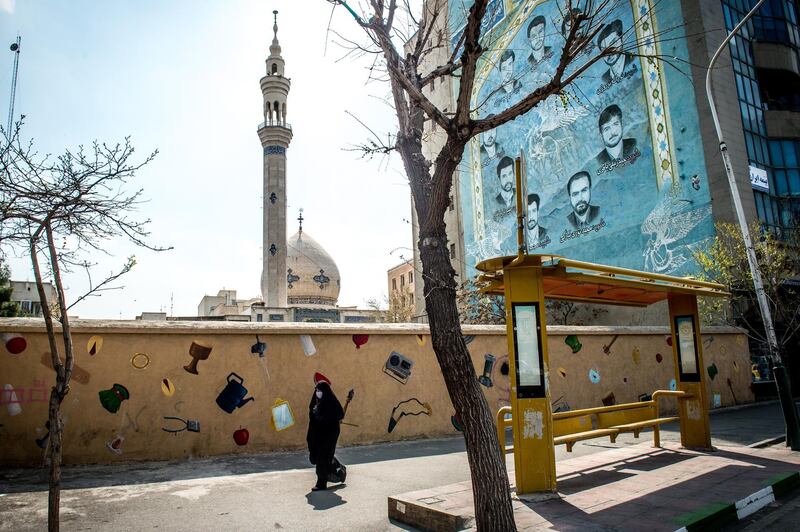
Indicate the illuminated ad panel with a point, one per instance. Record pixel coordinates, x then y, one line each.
614 174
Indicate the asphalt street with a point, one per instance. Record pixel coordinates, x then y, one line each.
273 491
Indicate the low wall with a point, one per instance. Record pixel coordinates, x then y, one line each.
589 365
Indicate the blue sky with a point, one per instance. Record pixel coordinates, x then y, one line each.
183 77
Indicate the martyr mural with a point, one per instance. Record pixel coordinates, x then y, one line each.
613 176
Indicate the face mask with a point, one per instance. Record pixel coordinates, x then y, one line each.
318 393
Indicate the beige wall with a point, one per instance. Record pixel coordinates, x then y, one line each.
88 426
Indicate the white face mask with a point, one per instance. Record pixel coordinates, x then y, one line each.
318 393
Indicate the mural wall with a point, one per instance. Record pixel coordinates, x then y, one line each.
157 391
615 174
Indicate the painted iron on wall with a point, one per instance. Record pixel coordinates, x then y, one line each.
233 395
112 398
198 351
398 367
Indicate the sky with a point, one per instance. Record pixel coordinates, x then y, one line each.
182 77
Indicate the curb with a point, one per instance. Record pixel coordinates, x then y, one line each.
720 514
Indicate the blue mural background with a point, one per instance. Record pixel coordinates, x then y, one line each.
650 205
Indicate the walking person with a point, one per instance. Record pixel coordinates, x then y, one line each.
324 414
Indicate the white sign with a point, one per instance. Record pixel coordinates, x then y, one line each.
758 179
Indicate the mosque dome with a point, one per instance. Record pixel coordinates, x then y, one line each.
311 274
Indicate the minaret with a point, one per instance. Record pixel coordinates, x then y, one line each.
275 135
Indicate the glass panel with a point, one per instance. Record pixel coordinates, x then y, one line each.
775 153
780 182
527 336
794 182
789 154
684 328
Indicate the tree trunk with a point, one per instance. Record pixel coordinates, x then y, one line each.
54 454
490 487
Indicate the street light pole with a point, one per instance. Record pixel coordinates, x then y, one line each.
781 380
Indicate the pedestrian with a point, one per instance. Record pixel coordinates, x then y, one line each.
324 414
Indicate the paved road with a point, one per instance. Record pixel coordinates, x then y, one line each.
272 491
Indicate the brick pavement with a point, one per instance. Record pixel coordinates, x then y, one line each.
630 488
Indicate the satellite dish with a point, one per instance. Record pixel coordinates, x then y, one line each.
14 47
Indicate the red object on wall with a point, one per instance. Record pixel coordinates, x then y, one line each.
241 436
360 339
15 343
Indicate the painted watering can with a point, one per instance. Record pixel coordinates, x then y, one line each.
232 396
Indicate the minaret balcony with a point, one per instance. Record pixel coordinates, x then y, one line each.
264 125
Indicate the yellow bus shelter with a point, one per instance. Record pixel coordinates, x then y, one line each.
527 281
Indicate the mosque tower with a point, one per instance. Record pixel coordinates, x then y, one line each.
275 135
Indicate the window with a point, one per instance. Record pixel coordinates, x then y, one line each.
410 277
274 68
394 284
259 317
451 203
402 281
452 251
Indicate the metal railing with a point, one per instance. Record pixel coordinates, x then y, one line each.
284 125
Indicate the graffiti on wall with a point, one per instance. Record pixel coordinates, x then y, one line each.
613 176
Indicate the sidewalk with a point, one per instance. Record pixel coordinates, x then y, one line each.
630 488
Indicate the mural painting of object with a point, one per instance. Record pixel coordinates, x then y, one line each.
15 343
562 372
488 364
398 367
350 395
502 381
9 398
468 338
94 345
594 376
456 421
411 410
140 360
708 341
673 386
192 425
79 374
259 348
733 394
668 339
241 436
282 417
233 395
167 388
636 354
659 358
607 348
421 339
573 343
308 345
198 351
560 405
645 397
115 445
360 339
112 398
717 400
609 400
712 371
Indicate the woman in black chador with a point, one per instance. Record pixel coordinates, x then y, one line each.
324 414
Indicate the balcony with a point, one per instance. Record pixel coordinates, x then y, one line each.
284 125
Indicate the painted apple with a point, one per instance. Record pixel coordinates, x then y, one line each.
241 436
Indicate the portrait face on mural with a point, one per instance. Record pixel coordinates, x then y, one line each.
536 33
537 235
506 67
579 189
610 37
533 212
615 146
505 174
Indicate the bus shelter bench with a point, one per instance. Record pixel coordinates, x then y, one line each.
577 425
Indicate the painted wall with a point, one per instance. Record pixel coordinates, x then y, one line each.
148 360
646 207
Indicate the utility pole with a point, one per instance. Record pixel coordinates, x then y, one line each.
781 379
15 47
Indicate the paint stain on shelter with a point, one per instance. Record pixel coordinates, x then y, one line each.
532 425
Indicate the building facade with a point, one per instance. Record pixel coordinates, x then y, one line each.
624 167
26 296
400 283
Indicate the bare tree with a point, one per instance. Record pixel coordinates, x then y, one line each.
404 44
57 209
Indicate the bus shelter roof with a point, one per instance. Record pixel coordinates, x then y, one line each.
572 280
